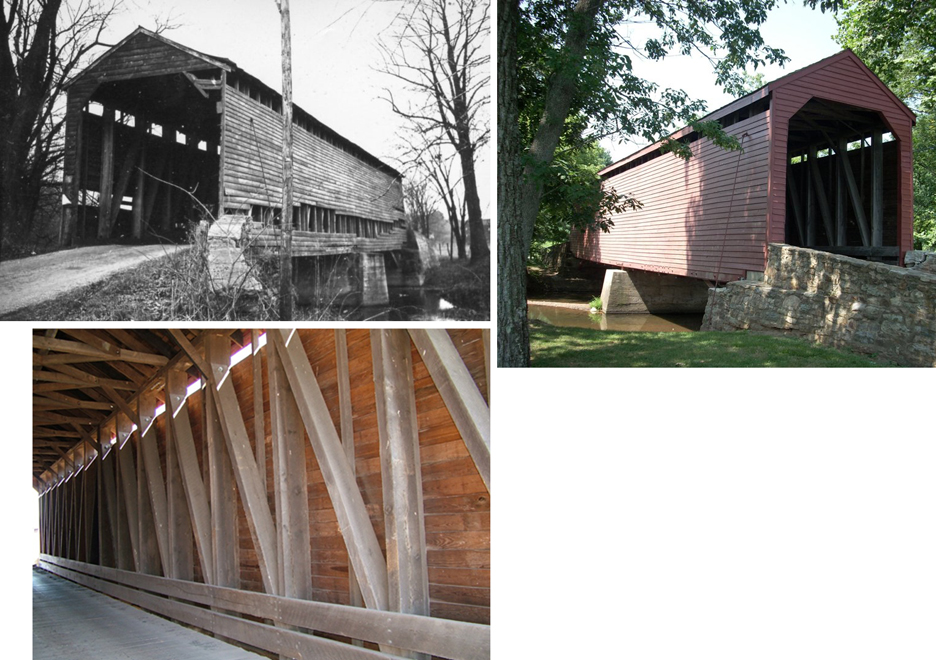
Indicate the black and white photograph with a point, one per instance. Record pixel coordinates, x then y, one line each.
151 147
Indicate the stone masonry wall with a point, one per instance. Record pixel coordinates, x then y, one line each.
839 301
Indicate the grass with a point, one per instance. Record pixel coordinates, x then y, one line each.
553 346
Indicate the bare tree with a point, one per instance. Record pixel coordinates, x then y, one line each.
45 44
420 205
441 54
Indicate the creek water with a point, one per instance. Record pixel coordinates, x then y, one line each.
571 313
407 303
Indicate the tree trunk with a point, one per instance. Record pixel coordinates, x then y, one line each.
513 338
286 288
519 195
478 241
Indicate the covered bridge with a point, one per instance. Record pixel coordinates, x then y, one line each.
307 493
158 133
826 164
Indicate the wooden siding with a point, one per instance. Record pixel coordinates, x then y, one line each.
842 78
325 174
681 228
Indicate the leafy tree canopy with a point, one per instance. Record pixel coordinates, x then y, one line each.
897 40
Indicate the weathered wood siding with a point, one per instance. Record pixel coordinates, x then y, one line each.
696 213
842 78
325 174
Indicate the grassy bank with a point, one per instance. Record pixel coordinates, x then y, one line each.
553 346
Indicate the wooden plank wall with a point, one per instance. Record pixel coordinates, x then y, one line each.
843 79
681 228
325 174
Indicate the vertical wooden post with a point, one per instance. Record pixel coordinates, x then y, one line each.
107 175
400 473
149 548
810 202
180 564
253 496
171 146
486 342
286 288
259 433
138 195
841 227
127 478
877 189
347 441
192 482
290 486
149 458
353 520
223 510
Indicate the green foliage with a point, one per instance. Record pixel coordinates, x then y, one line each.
595 304
897 40
924 183
572 195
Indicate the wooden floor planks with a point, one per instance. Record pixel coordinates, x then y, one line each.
70 621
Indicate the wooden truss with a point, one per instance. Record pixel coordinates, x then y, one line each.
151 456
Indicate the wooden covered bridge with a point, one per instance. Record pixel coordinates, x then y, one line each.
160 136
826 164
297 493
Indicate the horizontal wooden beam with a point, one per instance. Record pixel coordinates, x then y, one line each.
80 348
87 380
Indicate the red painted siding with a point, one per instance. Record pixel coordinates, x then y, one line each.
683 227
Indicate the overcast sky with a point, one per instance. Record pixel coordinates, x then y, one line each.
804 34
335 58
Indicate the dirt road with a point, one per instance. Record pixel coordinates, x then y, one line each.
33 280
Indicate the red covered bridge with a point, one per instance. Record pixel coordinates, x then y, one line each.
711 217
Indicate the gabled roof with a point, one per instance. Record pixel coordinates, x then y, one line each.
762 92
220 62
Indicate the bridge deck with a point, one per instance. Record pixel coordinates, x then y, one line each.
71 621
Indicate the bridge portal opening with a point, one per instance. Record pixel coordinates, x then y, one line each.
843 182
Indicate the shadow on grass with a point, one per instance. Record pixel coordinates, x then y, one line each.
553 346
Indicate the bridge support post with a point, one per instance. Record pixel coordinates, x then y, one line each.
374 280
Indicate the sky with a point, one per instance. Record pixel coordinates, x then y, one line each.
335 58
804 34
